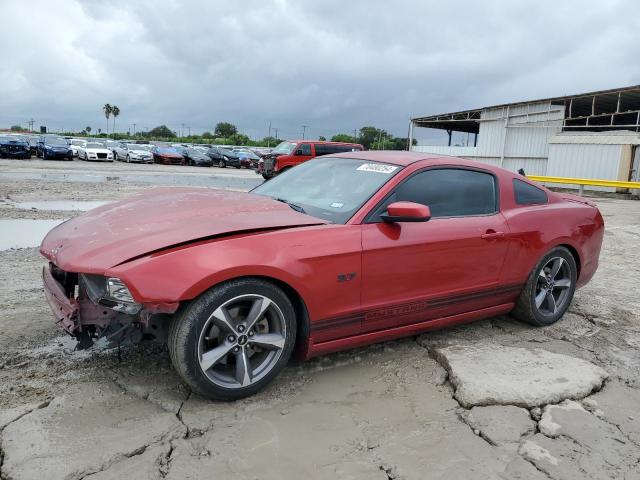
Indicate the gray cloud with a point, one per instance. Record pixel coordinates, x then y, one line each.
332 65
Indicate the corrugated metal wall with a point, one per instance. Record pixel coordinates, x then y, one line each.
527 128
582 160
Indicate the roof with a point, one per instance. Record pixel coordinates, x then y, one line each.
322 141
612 101
597 138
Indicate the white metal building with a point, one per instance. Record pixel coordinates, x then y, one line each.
590 135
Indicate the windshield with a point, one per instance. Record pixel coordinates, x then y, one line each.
284 148
77 142
94 145
194 151
56 141
329 188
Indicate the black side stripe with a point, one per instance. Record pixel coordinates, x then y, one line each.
402 309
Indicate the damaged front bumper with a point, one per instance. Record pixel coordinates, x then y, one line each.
83 309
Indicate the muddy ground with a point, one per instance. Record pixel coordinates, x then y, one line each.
388 411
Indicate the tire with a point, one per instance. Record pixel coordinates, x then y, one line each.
128 160
222 163
44 155
535 305
195 332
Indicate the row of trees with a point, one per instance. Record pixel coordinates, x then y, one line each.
226 133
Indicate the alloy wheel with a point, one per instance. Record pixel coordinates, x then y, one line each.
553 286
242 341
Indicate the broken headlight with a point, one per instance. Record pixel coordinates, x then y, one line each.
118 291
109 292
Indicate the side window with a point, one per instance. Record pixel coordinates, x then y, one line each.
448 192
527 194
321 149
306 148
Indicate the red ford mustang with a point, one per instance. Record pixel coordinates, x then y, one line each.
341 251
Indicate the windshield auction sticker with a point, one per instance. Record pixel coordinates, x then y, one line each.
377 168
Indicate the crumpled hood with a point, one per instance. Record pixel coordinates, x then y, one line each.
161 218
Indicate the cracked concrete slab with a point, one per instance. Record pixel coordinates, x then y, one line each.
10 415
499 375
619 404
66 439
145 466
575 444
162 388
500 425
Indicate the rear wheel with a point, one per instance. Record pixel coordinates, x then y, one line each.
549 289
234 339
44 155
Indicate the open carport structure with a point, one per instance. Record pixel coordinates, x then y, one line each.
518 135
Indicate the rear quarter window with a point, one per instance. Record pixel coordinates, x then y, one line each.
527 194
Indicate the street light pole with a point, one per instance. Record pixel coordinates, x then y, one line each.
304 129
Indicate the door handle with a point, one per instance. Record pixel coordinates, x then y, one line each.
491 235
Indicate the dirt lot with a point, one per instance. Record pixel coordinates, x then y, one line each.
388 411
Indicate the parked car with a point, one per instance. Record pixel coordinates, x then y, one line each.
195 157
167 156
133 152
74 143
95 151
51 147
14 147
223 157
111 145
248 159
291 153
33 144
339 252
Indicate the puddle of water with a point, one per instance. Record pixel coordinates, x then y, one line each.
63 205
23 233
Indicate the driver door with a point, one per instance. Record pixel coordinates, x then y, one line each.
451 264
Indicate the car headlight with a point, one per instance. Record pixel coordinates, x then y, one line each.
117 290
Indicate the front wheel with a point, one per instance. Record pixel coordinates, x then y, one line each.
549 289
222 163
234 339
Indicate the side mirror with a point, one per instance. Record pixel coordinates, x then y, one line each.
406 212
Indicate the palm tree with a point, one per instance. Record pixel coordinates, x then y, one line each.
88 129
107 113
115 111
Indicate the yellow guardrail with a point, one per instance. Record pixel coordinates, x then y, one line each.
586 181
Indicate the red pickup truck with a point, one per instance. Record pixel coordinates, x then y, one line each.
293 152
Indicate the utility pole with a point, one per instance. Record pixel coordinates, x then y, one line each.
269 136
276 129
189 130
355 135
304 129
181 130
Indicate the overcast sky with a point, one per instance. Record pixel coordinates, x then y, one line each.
332 65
